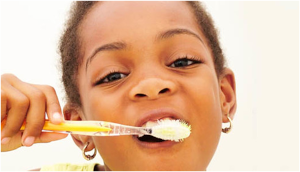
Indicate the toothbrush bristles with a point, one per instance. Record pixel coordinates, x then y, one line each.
174 130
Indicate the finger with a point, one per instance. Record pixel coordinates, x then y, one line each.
53 108
36 112
13 143
35 116
17 106
3 104
47 137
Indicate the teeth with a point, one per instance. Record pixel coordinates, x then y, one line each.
154 123
150 124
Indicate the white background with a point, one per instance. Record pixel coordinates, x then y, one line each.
260 40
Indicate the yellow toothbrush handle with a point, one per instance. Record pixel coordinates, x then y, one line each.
74 127
67 127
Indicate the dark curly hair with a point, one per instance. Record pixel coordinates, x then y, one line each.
70 44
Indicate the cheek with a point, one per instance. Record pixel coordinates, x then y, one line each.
115 151
206 118
102 107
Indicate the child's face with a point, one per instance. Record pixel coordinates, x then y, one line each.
149 82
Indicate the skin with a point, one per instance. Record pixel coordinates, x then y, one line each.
146 63
22 101
195 92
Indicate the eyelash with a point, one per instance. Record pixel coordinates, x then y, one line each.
102 80
193 59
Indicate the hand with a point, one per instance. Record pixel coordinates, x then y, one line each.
21 102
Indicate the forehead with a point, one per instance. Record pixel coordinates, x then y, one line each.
115 21
112 14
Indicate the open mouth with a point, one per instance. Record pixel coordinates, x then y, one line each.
166 129
150 139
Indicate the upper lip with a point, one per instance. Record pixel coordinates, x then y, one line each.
157 114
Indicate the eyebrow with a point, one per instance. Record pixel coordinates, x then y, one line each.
172 32
106 47
114 46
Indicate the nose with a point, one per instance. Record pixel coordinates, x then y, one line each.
152 88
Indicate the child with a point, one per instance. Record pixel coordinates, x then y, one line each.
131 63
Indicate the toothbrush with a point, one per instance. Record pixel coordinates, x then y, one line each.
174 130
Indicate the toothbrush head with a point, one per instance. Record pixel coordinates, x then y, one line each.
174 130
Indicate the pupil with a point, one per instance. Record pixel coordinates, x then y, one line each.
181 63
114 76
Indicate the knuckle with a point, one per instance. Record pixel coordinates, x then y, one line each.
49 88
38 95
7 76
22 102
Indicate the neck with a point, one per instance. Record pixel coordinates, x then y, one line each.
105 168
99 167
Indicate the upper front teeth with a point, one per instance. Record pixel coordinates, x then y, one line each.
154 123
150 124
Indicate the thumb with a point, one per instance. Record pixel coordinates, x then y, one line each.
47 137
13 143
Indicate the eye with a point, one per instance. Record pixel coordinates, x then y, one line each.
113 76
183 62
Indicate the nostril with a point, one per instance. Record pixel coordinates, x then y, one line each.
140 95
164 90
152 88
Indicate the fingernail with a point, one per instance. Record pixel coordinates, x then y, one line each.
29 141
5 140
57 116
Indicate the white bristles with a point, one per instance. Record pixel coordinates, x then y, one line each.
174 130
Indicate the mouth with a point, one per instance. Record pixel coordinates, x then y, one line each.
150 142
151 119
150 139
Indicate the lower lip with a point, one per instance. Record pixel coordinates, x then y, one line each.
154 145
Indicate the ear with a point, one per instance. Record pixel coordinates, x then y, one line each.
74 113
227 94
